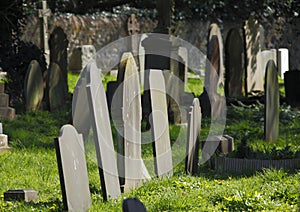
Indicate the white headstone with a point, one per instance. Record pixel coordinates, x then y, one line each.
267 55
141 54
283 61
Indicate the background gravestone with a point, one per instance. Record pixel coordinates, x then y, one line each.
160 125
291 84
266 56
234 53
193 138
80 57
283 61
271 102
72 170
33 86
6 112
107 163
133 28
141 54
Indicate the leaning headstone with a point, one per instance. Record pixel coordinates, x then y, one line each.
107 163
33 86
160 125
72 169
55 87
271 102
26 195
254 43
193 138
80 108
6 112
234 53
267 55
80 57
283 61
291 84
3 141
58 44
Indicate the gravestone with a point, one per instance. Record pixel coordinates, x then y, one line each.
193 138
183 54
80 57
3 141
80 108
160 125
107 164
267 55
33 86
133 28
133 205
142 59
55 87
283 61
234 52
254 43
43 14
58 44
291 84
26 195
6 112
271 102
72 170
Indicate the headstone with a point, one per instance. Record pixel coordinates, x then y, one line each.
55 87
254 43
72 169
58 54
26 195
133 28
142 59
160 125
234 54
183 54
133 205
283 61
271 102
291 84
6 112
80 57
107 163
44 13
267 55
193 138
80 108
3 141
33 86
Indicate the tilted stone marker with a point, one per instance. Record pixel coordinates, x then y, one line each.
80 57
33 86
254 43
271 102
107 163
3 141
44 13
26 195
80 107
72 170
234 54
193 138
160 125
283 61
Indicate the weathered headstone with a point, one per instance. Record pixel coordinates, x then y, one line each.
183 54
55 87
133 28
33 86
80 108
3 141
142 59
6 112
80 57
267 55
72 169
283 61
160 125
271 102
234 52
254 43
58 44
291 84
193 138
44 13
107 164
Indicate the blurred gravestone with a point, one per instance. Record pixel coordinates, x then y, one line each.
26 195
291 84
3 141
133 28
44 13
133 205
160 125
33 86
141 54
193 138
283 61
6 112
267 55
254 43
72 169
102 133
271 102
234 52
80 57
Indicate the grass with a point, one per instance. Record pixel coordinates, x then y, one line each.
32 164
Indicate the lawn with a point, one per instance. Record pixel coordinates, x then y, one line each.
32 164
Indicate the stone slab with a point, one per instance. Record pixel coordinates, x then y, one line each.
26 195
4 100
283 61
7 113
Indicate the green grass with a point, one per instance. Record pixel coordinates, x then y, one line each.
32 164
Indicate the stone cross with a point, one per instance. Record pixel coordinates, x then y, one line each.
44 13
133 28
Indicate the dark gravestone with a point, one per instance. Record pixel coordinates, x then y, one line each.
234 55
33 86
271 102
291 84
55 87
193 138
72 169
58 44
103 140
160 125
133 205
26 195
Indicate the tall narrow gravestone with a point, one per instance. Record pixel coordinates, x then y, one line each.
107 163
271 102
283 61
44 13
33 86
193 138
72 170
234 50
160 124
